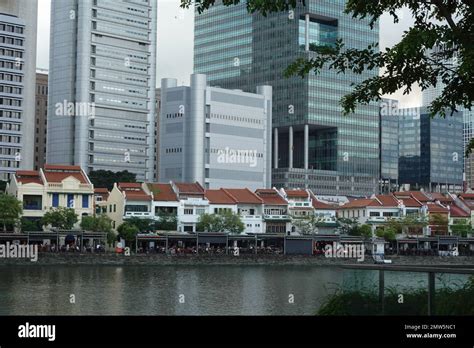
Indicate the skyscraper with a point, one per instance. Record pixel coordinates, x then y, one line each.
314 145
217 137
431 151
102 85
18 24
41 119
433 92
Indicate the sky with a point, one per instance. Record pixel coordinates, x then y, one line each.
176 41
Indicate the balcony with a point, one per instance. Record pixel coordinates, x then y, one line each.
252 217
60 186
277 218
142 215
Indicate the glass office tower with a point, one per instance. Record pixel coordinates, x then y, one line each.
314 145
18 21
102 85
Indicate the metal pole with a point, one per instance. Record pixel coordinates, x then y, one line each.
431 293
227 245
136 243
382 290
256 242
197 243
167 245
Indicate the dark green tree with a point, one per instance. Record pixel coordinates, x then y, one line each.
143 225
30 225
98 223
461 227
62 218
443 24
128 232
227 222
166 222
10 211
107 178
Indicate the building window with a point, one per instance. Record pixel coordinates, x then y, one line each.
188 211
55 200
85 201
70 201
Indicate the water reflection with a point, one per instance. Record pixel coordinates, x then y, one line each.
181 290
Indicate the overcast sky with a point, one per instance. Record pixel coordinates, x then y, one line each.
175 42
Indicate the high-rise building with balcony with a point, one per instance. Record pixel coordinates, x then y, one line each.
102 85
18 24
314 145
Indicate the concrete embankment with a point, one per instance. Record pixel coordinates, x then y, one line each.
65 259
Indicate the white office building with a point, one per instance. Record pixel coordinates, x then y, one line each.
214 136
18 26
102 85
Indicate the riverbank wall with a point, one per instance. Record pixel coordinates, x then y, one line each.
71 259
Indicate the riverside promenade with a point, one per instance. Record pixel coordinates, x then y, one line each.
112 259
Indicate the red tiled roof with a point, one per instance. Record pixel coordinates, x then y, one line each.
101 190
322 206
467 195
271 197
163 193
358 203
297 194
415 194
318 205
410 202
455 211
436 208
440 197
61 167
385 201
194 188
28 177
243 196
219 197
57 173
129 185
134 191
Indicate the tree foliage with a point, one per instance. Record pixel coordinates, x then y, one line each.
62 218
30 225
166 222
128 232
143 225
107 178
408 223
308 224
10 211
98 223
461 227
227 222
442 33
364 231
388 233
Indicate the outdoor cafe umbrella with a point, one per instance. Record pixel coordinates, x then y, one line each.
70 239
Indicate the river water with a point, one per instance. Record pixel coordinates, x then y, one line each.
185 290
